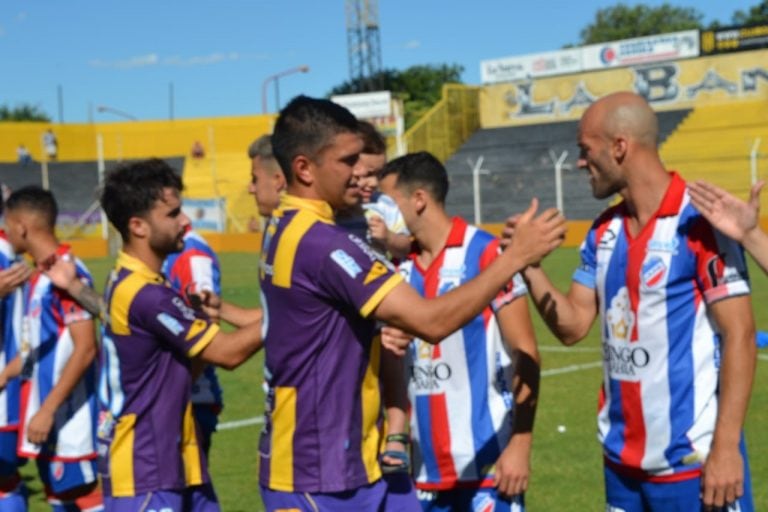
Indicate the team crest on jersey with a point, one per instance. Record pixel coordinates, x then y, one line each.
483 503
346 262
57 470
653 272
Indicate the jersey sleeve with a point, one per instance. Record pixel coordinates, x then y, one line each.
720 264
514 289
587 271
355 274
163 312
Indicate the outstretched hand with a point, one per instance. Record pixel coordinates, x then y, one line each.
532 238
13 277
728 214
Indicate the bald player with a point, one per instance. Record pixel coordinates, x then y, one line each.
676 324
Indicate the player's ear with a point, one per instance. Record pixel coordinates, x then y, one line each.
619 149
303 169
138 227
420 198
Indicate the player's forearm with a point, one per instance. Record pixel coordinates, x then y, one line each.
394 390
88 298
756 243
81 359
239 316
11 371
737 369
230 350
555 308
526 391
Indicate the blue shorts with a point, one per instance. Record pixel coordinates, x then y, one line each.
476 499
207 417
60 477
200 498
627 494
370 498
9 460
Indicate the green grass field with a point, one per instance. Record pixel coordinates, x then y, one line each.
567 466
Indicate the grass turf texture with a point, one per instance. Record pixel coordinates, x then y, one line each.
567 466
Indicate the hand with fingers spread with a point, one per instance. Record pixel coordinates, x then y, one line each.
535 237
729 214
13 277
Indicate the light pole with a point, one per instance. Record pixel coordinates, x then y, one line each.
104 108
276 78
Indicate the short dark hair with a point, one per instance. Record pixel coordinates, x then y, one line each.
36 199
131 190
373 142
305 127
419 170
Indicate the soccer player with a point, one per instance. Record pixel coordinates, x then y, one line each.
676 324
57 350
472 445
322 290
267 179
192 272
150 456
13 274
737 219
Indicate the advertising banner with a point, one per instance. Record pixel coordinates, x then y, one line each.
206 214
367 104
641 50
530 66
734 39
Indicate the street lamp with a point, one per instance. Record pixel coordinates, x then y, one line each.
104 108
276 78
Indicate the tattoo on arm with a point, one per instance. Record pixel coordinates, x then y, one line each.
92 302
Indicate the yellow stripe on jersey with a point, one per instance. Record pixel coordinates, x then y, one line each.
190 450
120 303
285 254
121 457
382 292
205 339
371 406
283 428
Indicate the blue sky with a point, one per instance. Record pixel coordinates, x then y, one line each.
217 53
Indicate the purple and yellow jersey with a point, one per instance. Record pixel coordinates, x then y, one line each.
147 438
10 327
46 345
319 285
192 270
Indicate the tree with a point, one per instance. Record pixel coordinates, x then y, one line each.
622 21
23 112
756 15
420 87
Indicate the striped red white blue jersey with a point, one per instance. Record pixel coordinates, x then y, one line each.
460 390
193 270
46 346
10 327
661 351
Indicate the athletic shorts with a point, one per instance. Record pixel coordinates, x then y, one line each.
60 477
476 499
370 498
9 460
200 498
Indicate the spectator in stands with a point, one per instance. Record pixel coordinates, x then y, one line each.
735 218
50 144
267 180
23 156
197 150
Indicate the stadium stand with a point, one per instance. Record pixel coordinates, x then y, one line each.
518 159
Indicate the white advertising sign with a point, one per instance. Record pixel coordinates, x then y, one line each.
366 105
530 66
206 214
640 50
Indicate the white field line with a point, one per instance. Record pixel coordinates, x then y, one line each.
561 348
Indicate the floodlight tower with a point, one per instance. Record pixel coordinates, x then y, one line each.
363 43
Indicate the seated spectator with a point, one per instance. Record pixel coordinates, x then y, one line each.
23 155
197 151
51 145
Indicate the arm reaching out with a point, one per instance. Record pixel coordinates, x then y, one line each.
733 217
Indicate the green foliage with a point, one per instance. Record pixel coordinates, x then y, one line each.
756 14
420 87
23 112
623 21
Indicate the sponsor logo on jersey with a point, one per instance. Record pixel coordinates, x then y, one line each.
457 273
653 271
671 246
346 262
170 323
185 310
427 377
625 361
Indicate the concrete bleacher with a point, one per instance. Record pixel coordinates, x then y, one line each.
714 144
518 159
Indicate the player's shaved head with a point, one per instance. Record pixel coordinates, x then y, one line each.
627 115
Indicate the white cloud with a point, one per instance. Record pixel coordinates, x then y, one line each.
138 61
412 44
153 59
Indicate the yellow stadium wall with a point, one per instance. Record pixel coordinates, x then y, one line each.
136 139
671 86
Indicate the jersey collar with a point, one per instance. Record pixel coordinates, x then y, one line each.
673 198
320 208
138 266
456 236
